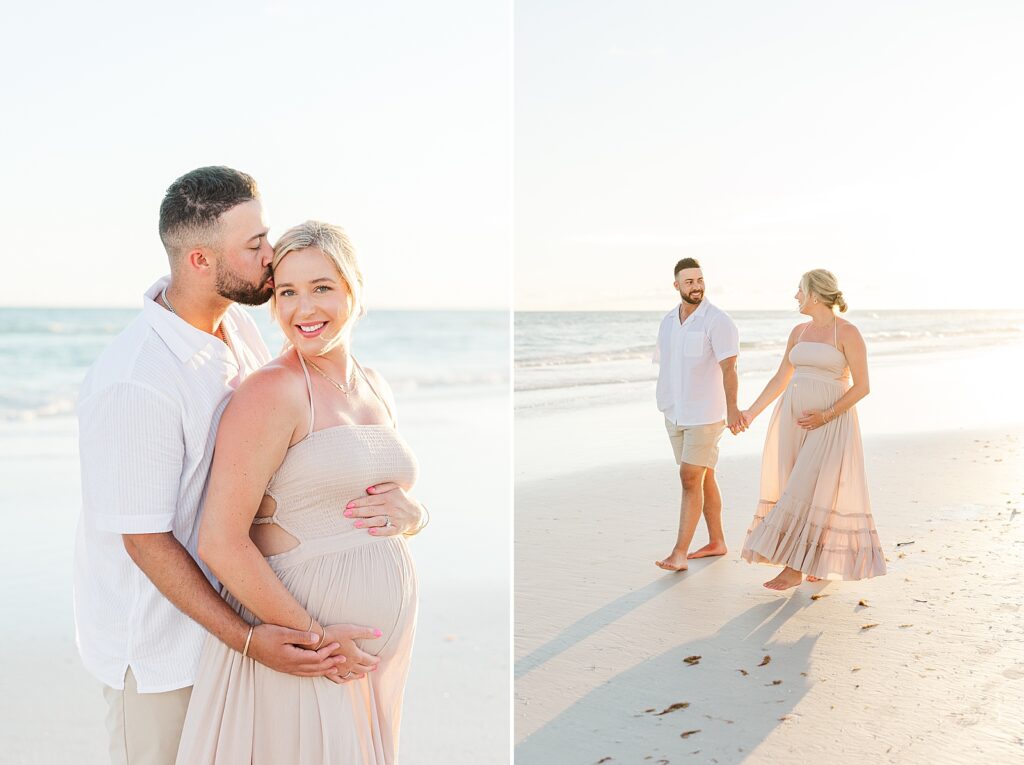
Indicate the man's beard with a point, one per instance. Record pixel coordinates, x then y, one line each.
229 285
686 298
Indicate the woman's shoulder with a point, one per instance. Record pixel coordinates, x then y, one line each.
376 379
273 387
373 375
846 330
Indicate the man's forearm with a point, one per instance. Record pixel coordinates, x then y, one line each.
174 572
731 383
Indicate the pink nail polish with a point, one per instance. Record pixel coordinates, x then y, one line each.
350 505
348 513
377 633
369 490
359 524
373 531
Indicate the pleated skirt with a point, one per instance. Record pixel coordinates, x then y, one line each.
814 513
243 712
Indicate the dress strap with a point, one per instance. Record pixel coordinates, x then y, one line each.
309 390
802 332
375 391
835 333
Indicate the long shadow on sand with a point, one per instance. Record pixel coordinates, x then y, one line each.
597 620
728 713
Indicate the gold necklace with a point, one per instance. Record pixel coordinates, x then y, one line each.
346 389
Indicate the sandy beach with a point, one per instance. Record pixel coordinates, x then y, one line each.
617 661
53 709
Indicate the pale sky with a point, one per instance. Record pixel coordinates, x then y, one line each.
392 119
881 140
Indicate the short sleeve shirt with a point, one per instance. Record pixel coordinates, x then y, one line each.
148 412
690 390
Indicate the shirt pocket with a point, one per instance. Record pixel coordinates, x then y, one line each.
693 345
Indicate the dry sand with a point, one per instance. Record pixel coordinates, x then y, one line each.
602 636
457 699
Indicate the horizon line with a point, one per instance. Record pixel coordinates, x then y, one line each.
121 306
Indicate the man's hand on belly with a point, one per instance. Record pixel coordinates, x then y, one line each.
291 651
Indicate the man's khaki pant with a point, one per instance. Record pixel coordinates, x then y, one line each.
144 728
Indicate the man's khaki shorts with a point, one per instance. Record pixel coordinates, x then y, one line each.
695 444
144 728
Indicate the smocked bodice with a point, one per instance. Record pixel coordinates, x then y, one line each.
329 468
819 360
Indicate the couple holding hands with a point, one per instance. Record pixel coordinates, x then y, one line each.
814 514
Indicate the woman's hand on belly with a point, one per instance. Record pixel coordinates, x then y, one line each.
387 502
357 661
812 419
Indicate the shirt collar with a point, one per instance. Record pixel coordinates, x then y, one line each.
184 340
702 309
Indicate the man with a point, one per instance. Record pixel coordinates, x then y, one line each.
148 414
697 384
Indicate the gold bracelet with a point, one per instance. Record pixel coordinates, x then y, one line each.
322 638
245 650
423 526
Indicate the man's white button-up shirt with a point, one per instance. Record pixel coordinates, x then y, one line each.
148 413
690 388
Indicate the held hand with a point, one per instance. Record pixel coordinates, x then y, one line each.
291 651
388 511
812 419
735 421
748 417
357 661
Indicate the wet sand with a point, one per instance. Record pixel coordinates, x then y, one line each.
923 665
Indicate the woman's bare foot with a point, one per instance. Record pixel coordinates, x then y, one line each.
813 578
676 561
789 577
711 548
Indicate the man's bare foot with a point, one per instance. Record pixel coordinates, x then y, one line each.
789 577
711 548
676 561
813 578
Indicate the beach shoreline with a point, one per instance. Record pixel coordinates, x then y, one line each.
601 634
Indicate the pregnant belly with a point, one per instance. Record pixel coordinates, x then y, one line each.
808 393
372 585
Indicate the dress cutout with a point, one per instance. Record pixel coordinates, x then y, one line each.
242 711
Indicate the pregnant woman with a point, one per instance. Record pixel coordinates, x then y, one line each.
814 514
304 525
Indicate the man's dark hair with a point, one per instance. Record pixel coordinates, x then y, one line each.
684 264
195 201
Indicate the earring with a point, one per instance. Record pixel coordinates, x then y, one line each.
815 300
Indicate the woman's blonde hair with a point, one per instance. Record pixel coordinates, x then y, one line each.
824 285
334 243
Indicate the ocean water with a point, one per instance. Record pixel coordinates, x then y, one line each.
450 373
561 357
44 353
